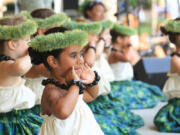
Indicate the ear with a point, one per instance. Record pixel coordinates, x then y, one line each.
53 63
40 31
88 13
11 45
119 39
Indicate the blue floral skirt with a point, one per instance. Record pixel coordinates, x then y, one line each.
136 94
20 122
114 118
36 109
168 117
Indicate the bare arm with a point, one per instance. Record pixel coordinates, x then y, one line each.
17 68
91 93
90 56
175 65
38 71
121 56
99 48
63 105
105 39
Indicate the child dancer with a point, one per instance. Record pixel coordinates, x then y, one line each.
114 118
133 94
63 107
16 100
93 10
168 117
46 19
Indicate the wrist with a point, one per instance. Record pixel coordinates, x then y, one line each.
103 39
75 87
78 84
96 80
91 47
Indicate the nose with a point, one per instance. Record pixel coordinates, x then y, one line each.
80 60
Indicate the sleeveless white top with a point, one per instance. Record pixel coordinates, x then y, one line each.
122 71
16 97
36 86
105 72
172 86
80 122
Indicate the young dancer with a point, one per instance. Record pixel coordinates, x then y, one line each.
16 100
71 83
168 117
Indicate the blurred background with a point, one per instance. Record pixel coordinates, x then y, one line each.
146 16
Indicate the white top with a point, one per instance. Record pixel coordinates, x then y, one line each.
172 86
36 86
104 66
80 122
122 71
105 72
16 97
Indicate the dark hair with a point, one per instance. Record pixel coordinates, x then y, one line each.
2 43
41 57
10 21
42 13
172 35
55 30
90 6
114 35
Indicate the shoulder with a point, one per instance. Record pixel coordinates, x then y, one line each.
6 64
175 60
52 91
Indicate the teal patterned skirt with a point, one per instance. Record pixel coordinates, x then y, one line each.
20 122
168 117
136 94
36 109
114 118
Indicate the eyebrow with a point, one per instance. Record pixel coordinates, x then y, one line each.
74 52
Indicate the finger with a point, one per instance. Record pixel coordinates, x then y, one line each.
85 81
75 74
83 68
73 71
87 66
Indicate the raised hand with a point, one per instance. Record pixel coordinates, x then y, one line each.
87 76
92 39
72 75
106 36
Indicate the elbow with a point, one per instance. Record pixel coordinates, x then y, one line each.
126 59
63 113
22 69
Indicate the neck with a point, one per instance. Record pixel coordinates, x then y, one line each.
58 78
115 44
10 54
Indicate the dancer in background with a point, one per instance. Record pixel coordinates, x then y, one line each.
16 100
168 117
133 94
